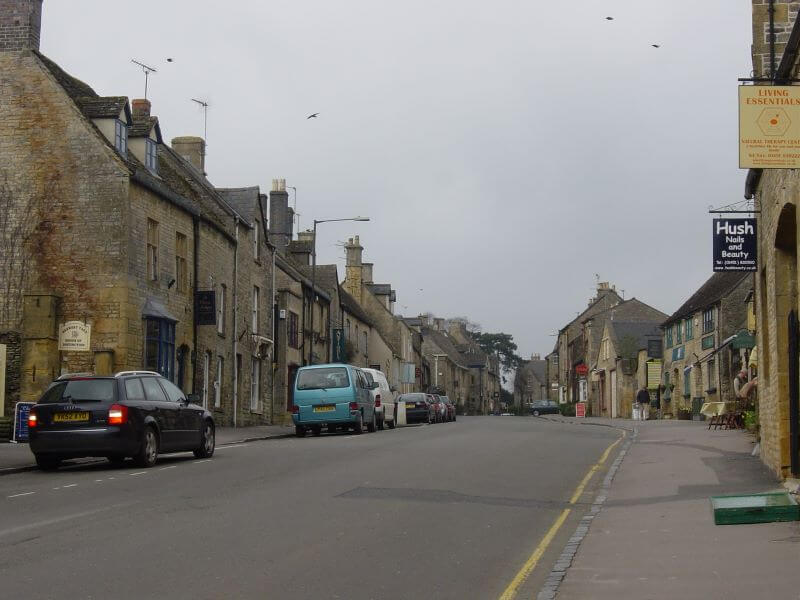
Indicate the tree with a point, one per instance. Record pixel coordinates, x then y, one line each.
501 344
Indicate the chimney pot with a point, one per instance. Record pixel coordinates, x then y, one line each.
140 107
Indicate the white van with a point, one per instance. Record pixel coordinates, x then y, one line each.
385 413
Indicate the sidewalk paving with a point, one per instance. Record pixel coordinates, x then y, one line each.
655 537
15 458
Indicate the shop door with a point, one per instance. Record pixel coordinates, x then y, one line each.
614 409
794 395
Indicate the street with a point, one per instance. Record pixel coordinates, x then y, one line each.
442 511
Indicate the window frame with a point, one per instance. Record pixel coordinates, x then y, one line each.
256 243
152 249
256 310
151 155
165 346
689 329
708 320
181 262
668 337
255 385
121 137
221 300
293 329
678 333
219 374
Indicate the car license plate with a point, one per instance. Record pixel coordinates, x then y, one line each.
324 408
70 417
410 405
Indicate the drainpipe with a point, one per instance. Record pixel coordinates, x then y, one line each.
235 320
195 260
772 69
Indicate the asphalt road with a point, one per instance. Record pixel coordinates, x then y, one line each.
441 511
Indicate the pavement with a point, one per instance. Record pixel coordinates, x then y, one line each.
653 537
16 458
445 511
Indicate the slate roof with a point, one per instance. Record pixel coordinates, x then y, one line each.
98 107
326 276
301 246
445 343
350 305
594 303
632 310
142 126
712 291
243 200
74 87
625 332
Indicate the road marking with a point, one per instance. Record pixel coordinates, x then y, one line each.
22 494
169 467
511 591
197 462
70 485
72 517
98 481
218 448
137 473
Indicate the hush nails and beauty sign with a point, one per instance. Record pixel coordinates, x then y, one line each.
735 245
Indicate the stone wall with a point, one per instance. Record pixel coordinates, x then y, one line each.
13 342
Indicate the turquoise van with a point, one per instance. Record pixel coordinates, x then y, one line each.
333 396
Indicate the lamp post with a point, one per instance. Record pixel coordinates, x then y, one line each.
314 274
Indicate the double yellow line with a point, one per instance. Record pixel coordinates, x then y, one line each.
511 591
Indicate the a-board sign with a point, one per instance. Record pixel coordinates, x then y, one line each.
21 412
580 410
735 245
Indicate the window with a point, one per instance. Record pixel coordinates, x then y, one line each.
687 383
255 386
121 137
159 346
152 250
689 327
223 291
326 378
256 247
173 392
668 337
134 389
292 330
150 155
347 329
181 279
206 377
708 320
218 383
152 390
678 333
711 380
254 324
707 342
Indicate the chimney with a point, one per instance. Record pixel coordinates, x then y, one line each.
438 324
289 227
20 25
303 254
140 107
193 149
784 17
353 270
366 272
536 356
278 213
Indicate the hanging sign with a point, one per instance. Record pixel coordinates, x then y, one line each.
769 127
735 244
75 336
205 308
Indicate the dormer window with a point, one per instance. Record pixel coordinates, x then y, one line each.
151 155
121 137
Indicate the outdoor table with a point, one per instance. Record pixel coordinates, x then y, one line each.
723 414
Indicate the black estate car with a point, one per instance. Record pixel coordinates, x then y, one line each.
137 414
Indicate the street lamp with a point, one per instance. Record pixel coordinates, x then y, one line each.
314 274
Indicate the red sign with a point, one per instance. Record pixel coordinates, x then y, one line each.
580 410
581 370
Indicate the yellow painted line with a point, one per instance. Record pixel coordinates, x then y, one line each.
511 591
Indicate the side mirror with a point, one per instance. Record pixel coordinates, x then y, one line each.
193 398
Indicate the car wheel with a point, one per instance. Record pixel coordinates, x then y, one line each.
116 459
148 452
381 424
47 463
372 425
207 442
333 428
359 425
300 431
393 422
317 431
536 413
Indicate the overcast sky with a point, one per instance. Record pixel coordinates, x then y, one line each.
505 151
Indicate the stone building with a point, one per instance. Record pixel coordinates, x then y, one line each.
484 394
450 374
530 382
109 227
701 352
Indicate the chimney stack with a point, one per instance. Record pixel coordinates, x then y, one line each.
366 272
20 25
193 149
279 233
784 18
140 107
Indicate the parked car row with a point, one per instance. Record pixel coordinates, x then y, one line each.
339 397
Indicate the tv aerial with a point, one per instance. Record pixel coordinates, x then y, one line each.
147 70
204 105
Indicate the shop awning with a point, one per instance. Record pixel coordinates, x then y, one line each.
154 309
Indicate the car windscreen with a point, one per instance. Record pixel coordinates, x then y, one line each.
323 378
79 390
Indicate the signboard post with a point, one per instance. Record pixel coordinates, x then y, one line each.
769 127
21 412
580 410
735 244
75 336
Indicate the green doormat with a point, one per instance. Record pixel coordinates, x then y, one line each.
755 508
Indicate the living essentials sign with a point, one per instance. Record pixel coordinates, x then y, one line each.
769 127
75 336
734 244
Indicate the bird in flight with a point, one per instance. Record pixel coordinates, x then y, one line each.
169 60
314 116
656 45
609 18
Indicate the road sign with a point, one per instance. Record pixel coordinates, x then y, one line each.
21 412
580 410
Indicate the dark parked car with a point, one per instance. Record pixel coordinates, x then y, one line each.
137 414
439 410
544 407
450 408
418 408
